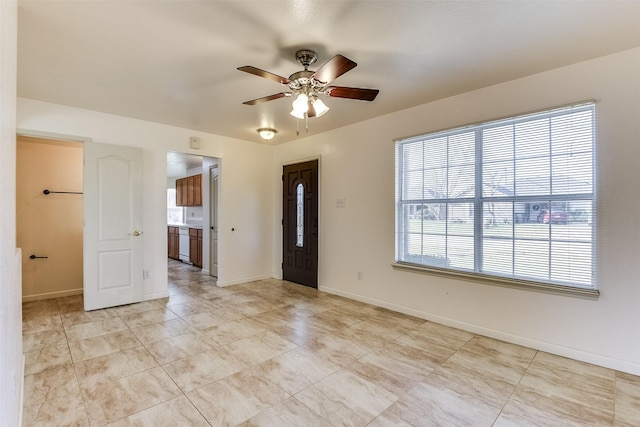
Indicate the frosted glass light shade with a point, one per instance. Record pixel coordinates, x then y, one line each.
319 106
267 133
301 104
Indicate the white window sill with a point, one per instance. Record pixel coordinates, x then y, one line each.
502 281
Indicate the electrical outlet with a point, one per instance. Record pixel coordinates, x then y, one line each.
360 275
146 275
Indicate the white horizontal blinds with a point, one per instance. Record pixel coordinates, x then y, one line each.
437 189
461 167
542 167
512 198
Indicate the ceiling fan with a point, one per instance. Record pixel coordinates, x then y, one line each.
307 85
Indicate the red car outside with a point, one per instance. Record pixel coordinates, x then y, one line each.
553 217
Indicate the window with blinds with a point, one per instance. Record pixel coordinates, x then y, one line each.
512 198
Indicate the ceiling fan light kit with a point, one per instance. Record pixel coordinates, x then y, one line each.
298 114
300 104
319 106
306 86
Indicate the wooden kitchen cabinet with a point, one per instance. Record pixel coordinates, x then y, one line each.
200 248
190 188
174 243
195 246
197 190
181 192
189 191
194 190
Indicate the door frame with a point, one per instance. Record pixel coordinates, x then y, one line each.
318 158
52 135
214 210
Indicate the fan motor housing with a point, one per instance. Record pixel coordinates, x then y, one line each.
300 79
306 57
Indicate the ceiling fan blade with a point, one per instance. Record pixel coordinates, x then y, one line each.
352 93
334 68
266 74
267 98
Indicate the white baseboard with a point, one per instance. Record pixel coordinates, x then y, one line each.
583 356
49 295
222 284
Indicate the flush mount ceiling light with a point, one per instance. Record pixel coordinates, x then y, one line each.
267 133
306 86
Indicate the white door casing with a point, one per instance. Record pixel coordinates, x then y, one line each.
112 225
213 215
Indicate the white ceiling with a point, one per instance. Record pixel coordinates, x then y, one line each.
178 164
174 62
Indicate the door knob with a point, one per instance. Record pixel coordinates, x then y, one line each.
137 233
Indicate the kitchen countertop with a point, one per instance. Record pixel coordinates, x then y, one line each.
185 225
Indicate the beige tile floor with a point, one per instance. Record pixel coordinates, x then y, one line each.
272 353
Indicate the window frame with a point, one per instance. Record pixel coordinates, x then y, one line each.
478 201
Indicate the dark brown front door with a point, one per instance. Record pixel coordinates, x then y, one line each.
300 223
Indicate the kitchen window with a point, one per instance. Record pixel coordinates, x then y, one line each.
175 214
510 200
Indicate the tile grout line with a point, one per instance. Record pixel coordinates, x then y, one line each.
515 388
75 372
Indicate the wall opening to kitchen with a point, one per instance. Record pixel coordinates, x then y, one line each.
189 214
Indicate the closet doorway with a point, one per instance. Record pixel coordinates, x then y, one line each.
49 226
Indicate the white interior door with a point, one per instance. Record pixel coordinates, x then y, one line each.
112 225
213 214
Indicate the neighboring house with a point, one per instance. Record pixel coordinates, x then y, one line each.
504 213
527 212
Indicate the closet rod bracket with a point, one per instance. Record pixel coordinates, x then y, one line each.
47 192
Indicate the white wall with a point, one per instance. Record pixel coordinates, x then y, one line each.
11 361
245 254
357 163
